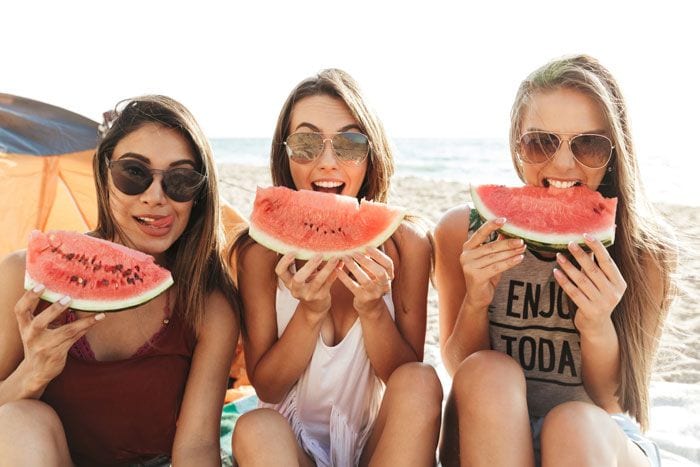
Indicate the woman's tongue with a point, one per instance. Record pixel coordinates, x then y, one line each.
328 187
158 223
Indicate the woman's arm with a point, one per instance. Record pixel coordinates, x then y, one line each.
32 352
467 270
596 288
197 436
274 365
390 343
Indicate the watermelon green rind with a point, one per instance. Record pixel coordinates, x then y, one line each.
271 242
542 241
101 305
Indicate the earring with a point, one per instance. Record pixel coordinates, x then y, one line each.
610 169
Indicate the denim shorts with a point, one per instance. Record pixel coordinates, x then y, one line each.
624 421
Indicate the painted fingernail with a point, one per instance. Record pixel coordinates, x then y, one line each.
100 317
38 288
588 237
560 258
573 246
501 220
64 300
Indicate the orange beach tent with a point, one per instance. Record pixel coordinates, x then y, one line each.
46 177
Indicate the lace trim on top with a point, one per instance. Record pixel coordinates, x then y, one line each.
81 348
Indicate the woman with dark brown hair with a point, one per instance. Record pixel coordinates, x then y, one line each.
145 385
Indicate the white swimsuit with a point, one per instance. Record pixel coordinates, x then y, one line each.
335 402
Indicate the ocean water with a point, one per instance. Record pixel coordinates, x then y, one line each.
480 161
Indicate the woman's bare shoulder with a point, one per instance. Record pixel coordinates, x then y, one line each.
453 225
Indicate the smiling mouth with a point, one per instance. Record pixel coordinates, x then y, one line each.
560 183
327 186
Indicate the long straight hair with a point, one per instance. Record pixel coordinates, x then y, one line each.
195 259
640 235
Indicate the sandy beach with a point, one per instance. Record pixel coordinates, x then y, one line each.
679 354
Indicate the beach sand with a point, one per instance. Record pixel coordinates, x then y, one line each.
679 353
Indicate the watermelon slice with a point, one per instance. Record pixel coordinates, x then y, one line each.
98 275
309 222
548 218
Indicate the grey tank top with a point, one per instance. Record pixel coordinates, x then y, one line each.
531 319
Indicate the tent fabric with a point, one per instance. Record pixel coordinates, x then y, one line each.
38 129
46 178
45 193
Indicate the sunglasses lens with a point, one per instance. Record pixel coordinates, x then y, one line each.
130 177
182 184
537 147
304 147
351 147
592 150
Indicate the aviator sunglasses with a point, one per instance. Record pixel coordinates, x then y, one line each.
591 150
349 147
133 177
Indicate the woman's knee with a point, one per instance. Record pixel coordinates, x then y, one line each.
579 430
29 428
417 382
491 372
31 415
258 426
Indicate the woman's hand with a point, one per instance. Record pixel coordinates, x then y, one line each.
483 263
46 344
372 273
596 288
311 284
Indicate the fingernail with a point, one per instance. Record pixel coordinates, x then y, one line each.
588 237
38 288
501 220
560 258
573 246
64 300
100 317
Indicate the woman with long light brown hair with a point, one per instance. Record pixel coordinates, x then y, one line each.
565 381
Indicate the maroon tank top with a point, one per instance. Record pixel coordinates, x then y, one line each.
123 411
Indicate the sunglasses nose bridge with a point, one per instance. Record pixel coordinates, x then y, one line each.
556 157
327 150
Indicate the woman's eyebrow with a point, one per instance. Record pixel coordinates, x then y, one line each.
146 160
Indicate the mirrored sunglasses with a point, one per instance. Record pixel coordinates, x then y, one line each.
349 147
591 150
133 177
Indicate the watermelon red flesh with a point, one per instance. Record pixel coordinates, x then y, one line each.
98 275
548 218
309 222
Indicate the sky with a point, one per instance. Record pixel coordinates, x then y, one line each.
430 69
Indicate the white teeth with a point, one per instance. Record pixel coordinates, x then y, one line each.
146 219
328 184
560 184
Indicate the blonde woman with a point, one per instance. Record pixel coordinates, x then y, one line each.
560 380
